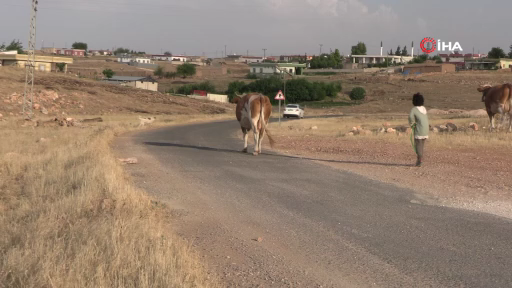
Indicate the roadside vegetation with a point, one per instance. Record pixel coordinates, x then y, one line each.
69 215
297 90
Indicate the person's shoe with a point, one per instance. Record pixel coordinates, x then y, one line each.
418 163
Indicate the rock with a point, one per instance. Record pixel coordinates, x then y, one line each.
477 113
451 127
408 131
1 116
402 128
44 111
314 128
387 124
7 101
456 111
42 140
350 134
390 130
442 128
473 126
437 112
382 130
366 132
11 114
435 130
129 160
81 106
354 129
259 239
107 204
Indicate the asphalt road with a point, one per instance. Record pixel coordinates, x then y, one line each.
319 227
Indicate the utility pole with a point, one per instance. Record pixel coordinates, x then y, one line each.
264 53
28 95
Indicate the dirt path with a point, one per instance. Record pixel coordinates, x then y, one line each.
471 178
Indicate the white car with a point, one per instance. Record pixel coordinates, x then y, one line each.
293 110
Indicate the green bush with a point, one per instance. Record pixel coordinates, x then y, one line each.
233 88
189 88
297 90
108 73
159 71
186 70
252 76
358 93
170 75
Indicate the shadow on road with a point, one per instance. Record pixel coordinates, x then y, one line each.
159 144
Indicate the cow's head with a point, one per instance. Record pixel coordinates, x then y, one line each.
484 89
237 98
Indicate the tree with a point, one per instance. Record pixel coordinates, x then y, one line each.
80 46
15 46
336 57
404 51
108 73
359 49
185 70
167 53
358 93
2 47
496 52
121 50
61 66
391 52
159 71
510 53
398 51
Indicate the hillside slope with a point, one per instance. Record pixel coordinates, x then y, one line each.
57 94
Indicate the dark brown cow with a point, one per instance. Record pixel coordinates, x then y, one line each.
498 100
253 112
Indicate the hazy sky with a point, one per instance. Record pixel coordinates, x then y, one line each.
281 26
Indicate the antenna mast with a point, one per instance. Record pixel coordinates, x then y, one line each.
28 96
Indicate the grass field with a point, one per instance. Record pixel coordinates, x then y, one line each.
70 217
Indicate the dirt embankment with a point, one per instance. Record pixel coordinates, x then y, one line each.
57 94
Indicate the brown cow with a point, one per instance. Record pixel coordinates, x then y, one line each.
253 112
498 100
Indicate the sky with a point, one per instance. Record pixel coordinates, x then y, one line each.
195 27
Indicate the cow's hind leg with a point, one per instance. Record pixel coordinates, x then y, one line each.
246 136
256 142
491 122
262 136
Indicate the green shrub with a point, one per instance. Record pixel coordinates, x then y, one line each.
233 88
186 69
189 88
252 76
358 93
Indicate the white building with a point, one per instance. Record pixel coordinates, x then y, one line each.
146 83
130 59
180 58
377 59
162 57
277 68
251 59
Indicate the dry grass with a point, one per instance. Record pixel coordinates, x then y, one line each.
338 127
70 217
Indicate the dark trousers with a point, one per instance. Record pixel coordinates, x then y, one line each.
420 146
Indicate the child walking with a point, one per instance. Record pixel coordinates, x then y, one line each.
418 120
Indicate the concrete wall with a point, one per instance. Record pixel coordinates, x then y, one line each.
39 66
142 65
142 85
218 98
438 68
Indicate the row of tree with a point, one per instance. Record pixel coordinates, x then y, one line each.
15 45
297 90
332 60
497 52
184 70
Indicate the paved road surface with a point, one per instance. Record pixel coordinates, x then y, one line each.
320 227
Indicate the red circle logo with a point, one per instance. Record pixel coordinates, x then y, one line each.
428 45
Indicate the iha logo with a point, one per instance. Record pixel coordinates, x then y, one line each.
429 45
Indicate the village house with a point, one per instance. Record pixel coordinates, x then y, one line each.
276 68
100 52
146 83
42 63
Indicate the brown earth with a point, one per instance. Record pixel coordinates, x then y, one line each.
59 93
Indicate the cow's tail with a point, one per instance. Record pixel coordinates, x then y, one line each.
264 123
